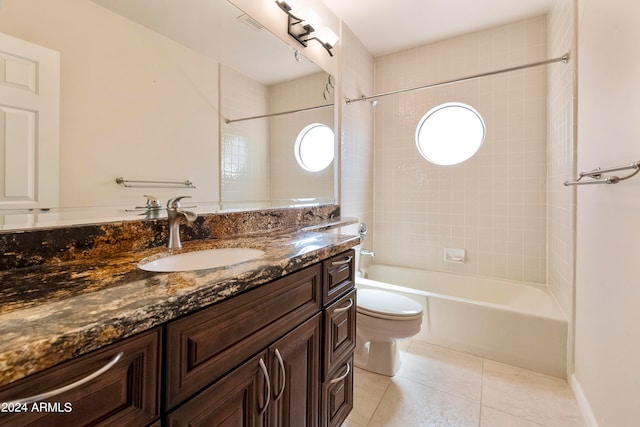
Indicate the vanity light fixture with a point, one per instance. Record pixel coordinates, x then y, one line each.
303 24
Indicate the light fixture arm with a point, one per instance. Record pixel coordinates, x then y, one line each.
327 46
299 36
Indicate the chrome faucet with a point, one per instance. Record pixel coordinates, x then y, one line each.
176 215
367 252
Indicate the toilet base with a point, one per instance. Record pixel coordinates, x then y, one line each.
378 356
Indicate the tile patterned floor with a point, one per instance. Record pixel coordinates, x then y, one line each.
439 387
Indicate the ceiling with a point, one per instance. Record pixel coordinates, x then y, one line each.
387 26
383 26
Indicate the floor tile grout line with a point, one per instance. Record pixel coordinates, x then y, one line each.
528 420
378 404
441 390
483 405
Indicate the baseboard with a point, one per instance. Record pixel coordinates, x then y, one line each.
583 403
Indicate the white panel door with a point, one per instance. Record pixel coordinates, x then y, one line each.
29 125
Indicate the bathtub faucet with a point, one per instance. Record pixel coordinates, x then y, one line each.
368 252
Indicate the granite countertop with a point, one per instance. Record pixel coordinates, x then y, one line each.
52 313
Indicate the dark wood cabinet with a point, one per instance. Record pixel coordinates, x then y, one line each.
308 369
279 355
339 335
203 346
277 387
125 394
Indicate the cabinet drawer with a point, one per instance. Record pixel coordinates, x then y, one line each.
338 275
125 394
337 396
339 332
205 345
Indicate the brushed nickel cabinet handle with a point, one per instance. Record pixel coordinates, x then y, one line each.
268 394
284 377
52 393
348 307
343 376
343 262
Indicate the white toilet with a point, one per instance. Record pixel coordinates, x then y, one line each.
383 318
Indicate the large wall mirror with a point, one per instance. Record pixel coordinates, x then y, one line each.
169 92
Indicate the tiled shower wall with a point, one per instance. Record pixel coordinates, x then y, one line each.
561 220
494 204
244 145
561 159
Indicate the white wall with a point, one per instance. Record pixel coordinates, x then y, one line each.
607 360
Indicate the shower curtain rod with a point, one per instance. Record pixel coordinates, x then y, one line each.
227 121
564 59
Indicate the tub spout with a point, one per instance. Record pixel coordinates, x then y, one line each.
368 252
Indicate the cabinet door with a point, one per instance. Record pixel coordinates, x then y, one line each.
125 394
240 399
295 377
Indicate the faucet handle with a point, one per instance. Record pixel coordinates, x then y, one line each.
152 202
174 204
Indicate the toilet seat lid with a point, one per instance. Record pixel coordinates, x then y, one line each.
385 304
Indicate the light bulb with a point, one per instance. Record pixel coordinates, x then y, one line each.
308 16
326 36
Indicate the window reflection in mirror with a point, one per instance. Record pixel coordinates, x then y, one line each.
315 147
271 175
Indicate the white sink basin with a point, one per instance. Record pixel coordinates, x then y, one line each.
201 260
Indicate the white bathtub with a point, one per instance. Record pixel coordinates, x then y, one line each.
511 322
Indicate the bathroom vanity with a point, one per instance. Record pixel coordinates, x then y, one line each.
266 342
297 337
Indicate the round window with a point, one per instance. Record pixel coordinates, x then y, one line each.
450 133
314 148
